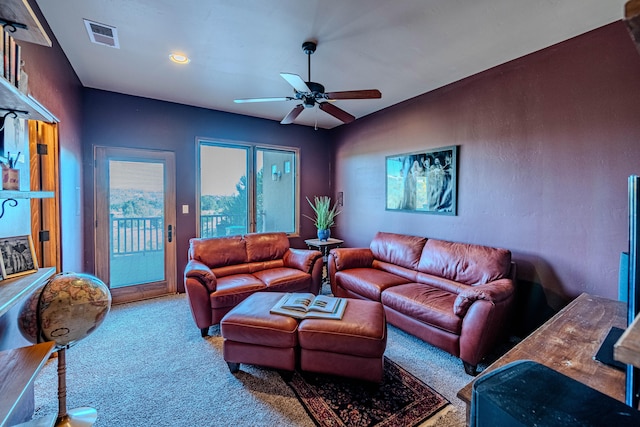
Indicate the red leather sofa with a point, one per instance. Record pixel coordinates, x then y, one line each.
455 296
222 272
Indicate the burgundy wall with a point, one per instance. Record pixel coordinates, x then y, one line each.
117 120
546 144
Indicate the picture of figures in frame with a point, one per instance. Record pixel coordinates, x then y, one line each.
424 181
18 256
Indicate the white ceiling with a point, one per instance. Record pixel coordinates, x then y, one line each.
238 47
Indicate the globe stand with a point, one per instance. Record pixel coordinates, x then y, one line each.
78 417
65 310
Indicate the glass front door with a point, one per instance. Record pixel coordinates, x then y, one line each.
135 222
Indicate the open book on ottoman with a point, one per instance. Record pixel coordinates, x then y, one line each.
308 305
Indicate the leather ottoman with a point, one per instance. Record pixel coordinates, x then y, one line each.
253 335
351 347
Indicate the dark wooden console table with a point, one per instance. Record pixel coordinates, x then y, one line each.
568 342
324 246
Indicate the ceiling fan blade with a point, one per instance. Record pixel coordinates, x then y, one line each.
244 100
296 81
355 94
292 114
336 112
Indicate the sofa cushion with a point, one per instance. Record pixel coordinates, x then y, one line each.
264 265
218 251
231 290
283 279
463 262
405 273
266 246
425 303
368 282
398 249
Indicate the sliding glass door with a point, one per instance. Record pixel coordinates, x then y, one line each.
245 188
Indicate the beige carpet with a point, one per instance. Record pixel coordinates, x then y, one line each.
148 366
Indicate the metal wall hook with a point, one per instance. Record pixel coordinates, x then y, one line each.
9 113
12 203
11 26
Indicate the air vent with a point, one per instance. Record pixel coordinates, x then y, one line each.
102 34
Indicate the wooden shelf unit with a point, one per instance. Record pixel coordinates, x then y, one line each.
10 194
13 290
11 99
19 367
20 12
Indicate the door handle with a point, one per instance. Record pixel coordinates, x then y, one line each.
170 233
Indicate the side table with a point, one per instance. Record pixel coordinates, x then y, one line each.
324 247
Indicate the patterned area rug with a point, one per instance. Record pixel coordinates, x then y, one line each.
401 399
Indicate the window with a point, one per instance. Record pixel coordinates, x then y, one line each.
246 188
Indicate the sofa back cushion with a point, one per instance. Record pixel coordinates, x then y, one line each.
218 251
266 246
398 249
463 262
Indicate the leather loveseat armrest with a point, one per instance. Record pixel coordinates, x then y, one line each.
494 292
202 273
345 258
301 259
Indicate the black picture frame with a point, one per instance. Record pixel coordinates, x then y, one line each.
423 181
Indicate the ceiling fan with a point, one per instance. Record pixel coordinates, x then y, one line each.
312 93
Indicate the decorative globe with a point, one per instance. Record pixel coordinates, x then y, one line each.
65 310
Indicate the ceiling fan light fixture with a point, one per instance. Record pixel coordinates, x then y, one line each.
179 58
310 94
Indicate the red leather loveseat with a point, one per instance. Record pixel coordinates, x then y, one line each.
455 296
222 272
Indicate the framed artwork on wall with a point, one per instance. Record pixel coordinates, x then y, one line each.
424 181
18 256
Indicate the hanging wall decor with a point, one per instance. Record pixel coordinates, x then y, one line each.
424 181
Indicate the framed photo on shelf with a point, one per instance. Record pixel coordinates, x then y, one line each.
424 181
18 256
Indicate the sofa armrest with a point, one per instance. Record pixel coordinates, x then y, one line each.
345 258
494 292
202 273
301 259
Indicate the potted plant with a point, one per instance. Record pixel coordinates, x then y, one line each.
324 215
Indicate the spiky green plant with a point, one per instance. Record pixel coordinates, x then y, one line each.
325 214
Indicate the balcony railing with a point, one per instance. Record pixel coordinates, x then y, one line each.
146 234
135 235
222 225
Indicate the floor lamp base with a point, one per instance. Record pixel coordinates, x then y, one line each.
78 417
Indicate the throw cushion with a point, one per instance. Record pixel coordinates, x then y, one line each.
464 263
398 249
266 246
218 251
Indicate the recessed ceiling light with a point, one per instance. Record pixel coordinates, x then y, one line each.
179 58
